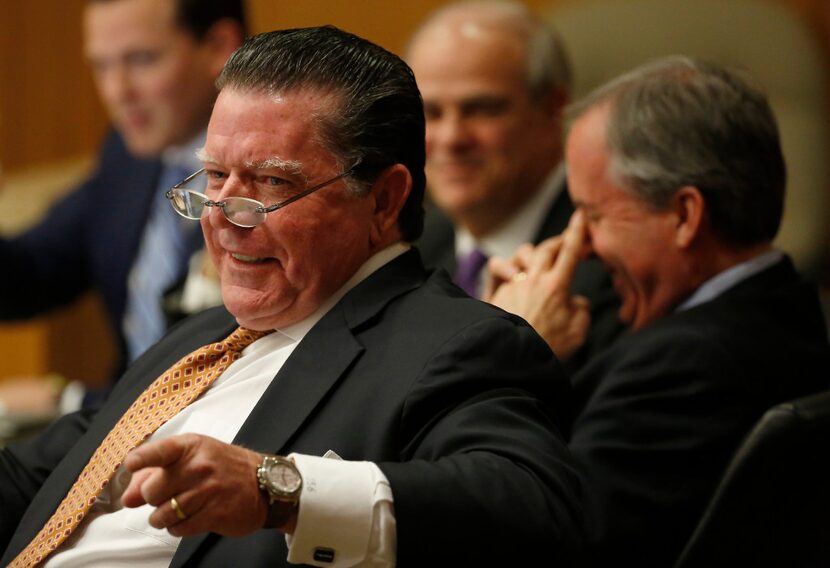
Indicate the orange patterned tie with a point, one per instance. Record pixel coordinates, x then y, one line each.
163 399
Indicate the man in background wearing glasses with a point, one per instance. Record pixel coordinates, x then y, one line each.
443 409
154 64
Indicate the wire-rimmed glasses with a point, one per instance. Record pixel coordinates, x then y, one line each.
241 211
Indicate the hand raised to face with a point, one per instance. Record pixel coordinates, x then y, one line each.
535 285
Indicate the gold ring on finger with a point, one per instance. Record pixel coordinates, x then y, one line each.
178 510
519 276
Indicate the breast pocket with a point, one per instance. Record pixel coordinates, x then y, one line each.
137 521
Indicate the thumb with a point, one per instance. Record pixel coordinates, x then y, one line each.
132 496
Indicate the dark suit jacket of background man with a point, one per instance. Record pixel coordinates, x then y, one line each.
88 241
661 413
443 392
591 280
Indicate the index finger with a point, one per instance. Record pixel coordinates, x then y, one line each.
573 240
160 453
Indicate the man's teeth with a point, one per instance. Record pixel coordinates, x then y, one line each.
251 259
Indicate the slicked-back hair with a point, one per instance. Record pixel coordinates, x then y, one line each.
683 122
197 16
376 115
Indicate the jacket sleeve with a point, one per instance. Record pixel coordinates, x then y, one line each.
46 266
485 477
25 466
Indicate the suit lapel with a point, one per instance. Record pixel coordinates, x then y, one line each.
301 384
323 356
128 210
319 362
303 381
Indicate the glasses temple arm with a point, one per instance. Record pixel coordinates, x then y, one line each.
188 178
308 191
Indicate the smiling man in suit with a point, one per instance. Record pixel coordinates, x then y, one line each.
443 409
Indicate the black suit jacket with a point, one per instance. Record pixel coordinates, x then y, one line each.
591 280
455 400
661 412
88 241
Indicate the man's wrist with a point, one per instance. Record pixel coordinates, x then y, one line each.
281 516
280 483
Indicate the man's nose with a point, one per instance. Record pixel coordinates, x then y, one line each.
451 131
588 245
233 186
115 83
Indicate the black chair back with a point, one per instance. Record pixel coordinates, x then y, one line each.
772 506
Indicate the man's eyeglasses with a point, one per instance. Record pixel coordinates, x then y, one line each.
241 211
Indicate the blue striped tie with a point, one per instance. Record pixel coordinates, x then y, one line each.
166 245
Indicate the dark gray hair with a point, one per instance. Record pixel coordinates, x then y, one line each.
198 16
377 117
682 122
547 64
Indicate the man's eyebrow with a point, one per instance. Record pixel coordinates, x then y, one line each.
203 156
291 166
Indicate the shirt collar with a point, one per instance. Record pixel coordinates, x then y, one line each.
297 331
521 228
730 277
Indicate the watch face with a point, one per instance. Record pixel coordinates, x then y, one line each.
284 478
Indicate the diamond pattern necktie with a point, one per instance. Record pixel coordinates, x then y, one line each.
467 272
163 399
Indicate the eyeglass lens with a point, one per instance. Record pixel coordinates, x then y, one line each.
189 201
240 211
243 211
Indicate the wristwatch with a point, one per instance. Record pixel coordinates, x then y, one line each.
279 479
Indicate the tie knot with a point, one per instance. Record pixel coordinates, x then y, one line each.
468 269
242 338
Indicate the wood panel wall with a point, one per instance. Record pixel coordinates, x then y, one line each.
49 113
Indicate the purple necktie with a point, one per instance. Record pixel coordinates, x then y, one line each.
467 271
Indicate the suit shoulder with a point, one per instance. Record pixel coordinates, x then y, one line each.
439 308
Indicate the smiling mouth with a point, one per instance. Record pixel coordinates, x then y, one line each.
249 259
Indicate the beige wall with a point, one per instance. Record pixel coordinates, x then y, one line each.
49 113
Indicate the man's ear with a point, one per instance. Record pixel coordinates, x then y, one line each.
554 104
690 210
389 193
220 41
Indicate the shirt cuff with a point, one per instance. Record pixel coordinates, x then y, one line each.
337 511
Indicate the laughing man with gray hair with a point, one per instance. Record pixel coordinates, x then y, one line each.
678 179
